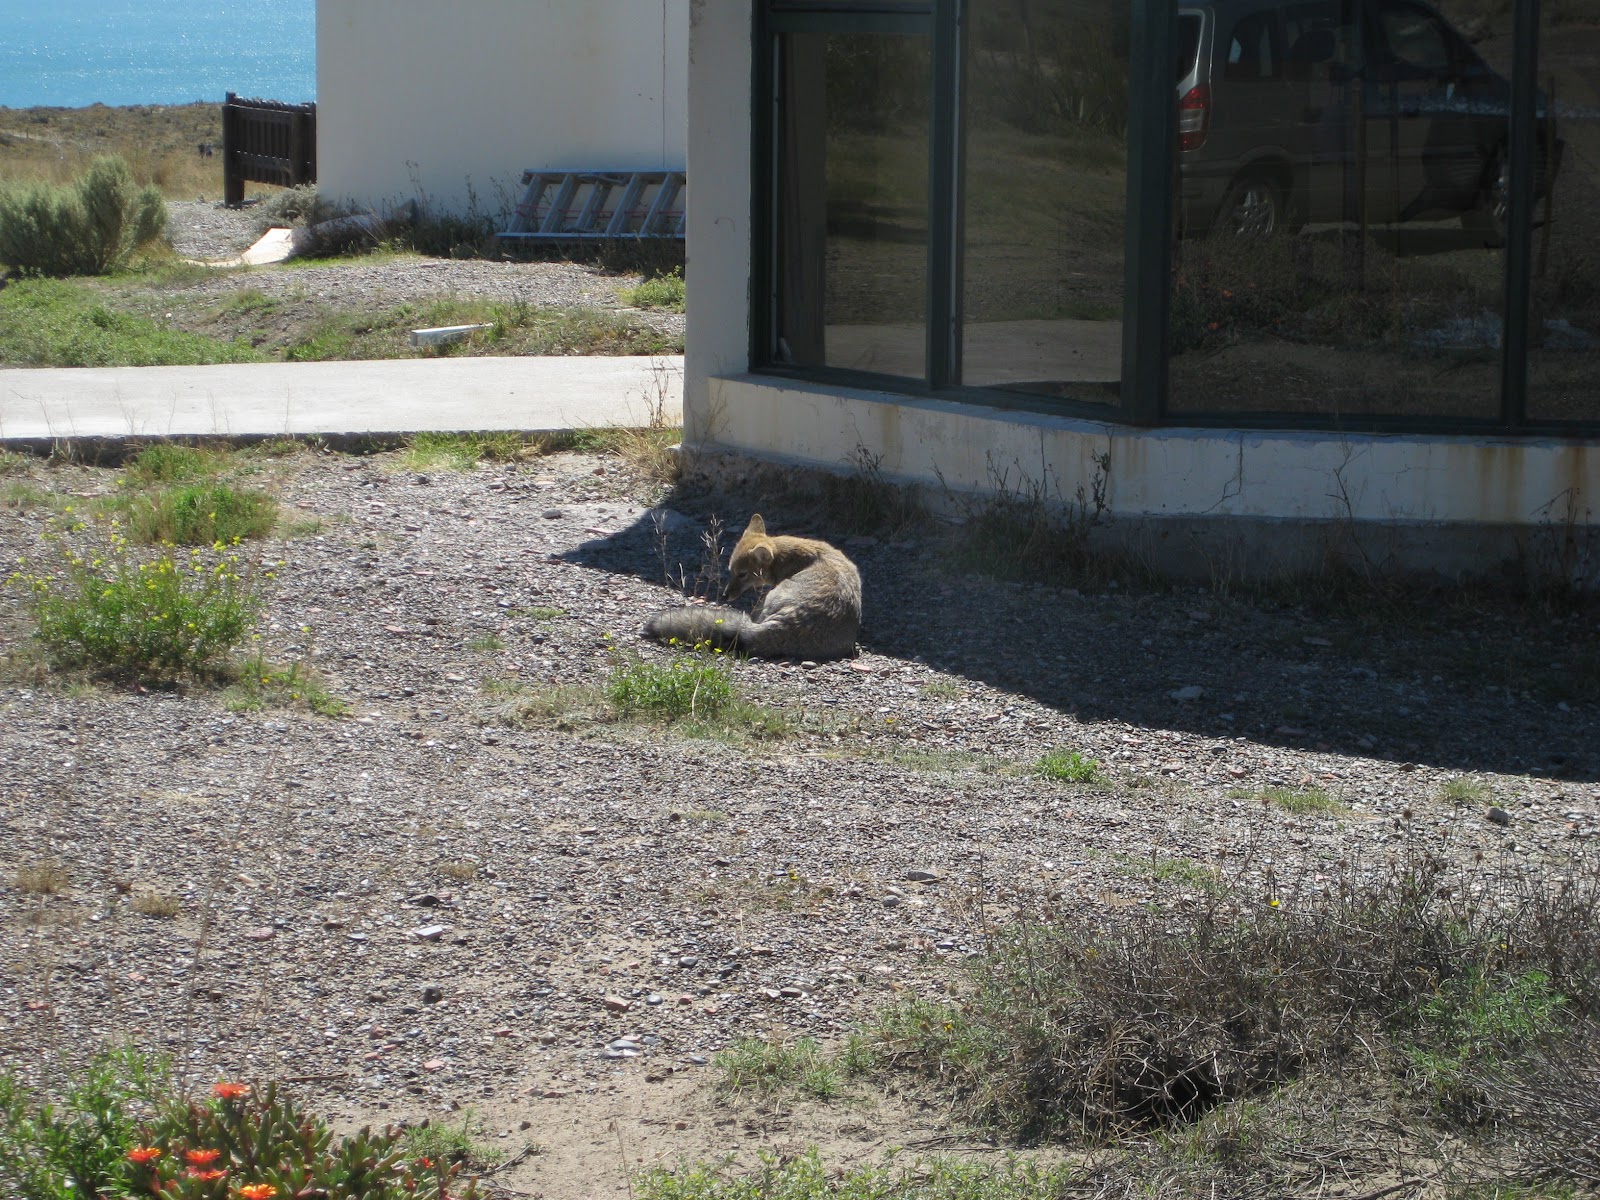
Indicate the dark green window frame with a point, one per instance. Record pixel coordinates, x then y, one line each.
1143 387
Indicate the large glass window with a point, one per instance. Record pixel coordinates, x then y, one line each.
852 202
1564 325
1045 122
1338 243
954 199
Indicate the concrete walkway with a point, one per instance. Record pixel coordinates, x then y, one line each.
336 398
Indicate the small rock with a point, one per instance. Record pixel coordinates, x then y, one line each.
264 934
617 1004
919 875
424 900
1499 815
551 514
432 993
891 901
433 1064
653 999
429 933
1186 694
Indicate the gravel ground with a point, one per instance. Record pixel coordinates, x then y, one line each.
212 232
420 907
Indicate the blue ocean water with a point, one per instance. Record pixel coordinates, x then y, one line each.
72 53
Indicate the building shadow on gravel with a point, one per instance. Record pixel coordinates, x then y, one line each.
1510 692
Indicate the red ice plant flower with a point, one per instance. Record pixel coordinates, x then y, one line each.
201 1158
205 1176
144 1154
230 1091
257 1191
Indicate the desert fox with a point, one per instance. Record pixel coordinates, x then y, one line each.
813 609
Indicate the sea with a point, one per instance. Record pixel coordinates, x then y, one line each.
74 53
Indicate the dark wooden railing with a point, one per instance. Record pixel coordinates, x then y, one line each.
265 141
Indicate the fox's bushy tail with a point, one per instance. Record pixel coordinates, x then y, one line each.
692 625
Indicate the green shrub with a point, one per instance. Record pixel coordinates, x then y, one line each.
100 606
91 227
1472 1019
77 1147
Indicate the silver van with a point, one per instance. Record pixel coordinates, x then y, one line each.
1292 112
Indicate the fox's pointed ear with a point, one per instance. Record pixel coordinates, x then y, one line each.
757 526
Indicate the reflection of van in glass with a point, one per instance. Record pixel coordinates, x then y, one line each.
1276 130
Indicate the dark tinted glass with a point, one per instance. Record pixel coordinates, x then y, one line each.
1046 118
1564 330
852 202
1338 241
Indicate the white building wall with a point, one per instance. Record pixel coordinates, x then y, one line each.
717 332
415 93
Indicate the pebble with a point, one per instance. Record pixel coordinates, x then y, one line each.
1499 815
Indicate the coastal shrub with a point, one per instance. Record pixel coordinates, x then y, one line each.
90 227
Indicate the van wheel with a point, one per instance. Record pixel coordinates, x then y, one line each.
1253 208
1487 217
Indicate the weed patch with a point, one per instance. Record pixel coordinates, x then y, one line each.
444 1142
156 905
173 462
665 292
63 323
864 502
48 878
1025 529
100 606
198 514
1308 801
768 1067
807 1177
689 686
1069 766
258 684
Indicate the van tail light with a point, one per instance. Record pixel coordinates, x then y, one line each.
1194 115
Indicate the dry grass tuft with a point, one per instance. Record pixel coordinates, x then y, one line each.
47 877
